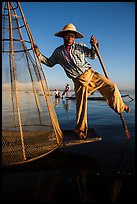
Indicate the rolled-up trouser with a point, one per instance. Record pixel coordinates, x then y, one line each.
87 83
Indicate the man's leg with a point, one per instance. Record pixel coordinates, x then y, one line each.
109 91
81 91
81 108
67 93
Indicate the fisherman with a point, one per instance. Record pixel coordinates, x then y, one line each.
66 90
72 57
57 93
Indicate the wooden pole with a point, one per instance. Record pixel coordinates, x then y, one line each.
105 72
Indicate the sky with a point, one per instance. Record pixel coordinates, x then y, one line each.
112 23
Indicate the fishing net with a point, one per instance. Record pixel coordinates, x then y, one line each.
30 127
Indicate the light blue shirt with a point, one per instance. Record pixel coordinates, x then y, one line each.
76 65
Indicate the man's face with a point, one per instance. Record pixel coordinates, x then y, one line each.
69 38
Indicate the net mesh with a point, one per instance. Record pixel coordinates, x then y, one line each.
30 127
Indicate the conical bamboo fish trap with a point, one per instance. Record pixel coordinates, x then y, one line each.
30 127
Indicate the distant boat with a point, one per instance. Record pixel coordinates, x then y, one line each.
73 97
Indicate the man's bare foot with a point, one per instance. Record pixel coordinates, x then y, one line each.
127 108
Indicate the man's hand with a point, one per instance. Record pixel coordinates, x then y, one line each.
36 49
93 41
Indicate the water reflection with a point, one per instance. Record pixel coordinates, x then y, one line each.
61 177
57 101
65 103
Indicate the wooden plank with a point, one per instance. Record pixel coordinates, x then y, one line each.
69 138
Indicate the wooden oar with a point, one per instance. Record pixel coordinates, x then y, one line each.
105 72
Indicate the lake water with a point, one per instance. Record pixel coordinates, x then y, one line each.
100 115
97 172
106 122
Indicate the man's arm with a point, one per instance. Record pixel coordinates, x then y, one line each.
41 57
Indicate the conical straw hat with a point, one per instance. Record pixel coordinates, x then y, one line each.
69 27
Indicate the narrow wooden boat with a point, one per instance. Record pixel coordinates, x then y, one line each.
73 97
